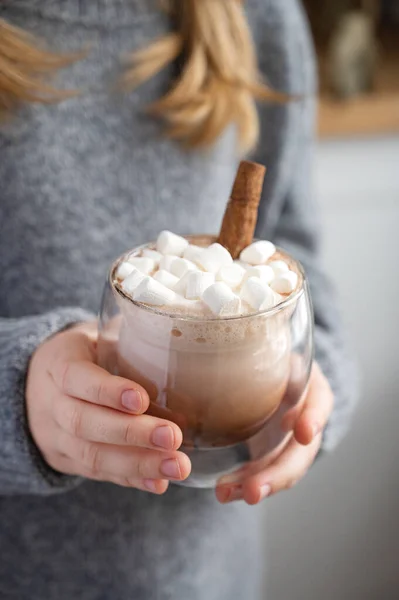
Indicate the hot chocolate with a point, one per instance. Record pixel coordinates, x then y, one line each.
212 333
221 378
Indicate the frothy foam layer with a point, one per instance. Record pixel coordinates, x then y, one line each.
182 332
180 286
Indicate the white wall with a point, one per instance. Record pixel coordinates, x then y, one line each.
336 536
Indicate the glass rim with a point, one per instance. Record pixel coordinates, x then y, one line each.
289 301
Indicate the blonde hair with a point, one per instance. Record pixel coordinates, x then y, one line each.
24 67
218 84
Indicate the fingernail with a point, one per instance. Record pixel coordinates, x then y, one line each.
265 491
131 400
223 494
233 478
150 485
163 437
171 468
235 494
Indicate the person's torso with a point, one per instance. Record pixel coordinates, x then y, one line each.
86 179
80 182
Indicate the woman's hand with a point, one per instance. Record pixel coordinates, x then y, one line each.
255 482
90 423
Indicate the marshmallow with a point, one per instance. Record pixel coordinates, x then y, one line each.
154 293
285 283
191 307
221 300
192 252
262 272
167 261
231 275
258 252
213 258
153 254
132 281
143 264
181 285
123 270
242 264
279 267
181 266
170 243
257 294
166 278
197 283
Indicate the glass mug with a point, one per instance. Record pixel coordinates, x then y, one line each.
227 382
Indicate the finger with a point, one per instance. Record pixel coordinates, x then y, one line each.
285 471
84 380
128 464
89 329
317 408
290 418
98 424
229 493
155 486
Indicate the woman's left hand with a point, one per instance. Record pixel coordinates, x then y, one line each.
255 482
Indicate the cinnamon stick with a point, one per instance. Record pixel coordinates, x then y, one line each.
241 215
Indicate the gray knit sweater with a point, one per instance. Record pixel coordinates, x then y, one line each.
81 182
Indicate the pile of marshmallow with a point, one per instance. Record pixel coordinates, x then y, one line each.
181 275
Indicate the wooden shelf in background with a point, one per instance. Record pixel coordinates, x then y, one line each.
367 115
371 114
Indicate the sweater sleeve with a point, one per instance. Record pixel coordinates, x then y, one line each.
22 468
292 221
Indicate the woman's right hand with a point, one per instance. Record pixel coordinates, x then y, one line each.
90 423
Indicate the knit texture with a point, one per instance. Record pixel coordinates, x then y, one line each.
80 183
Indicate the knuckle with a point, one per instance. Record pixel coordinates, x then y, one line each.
92 458
128 482
62 377
58 410
67 416
100 392
75 421
85 471
130 436
143 467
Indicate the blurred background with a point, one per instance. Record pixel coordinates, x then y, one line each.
336 536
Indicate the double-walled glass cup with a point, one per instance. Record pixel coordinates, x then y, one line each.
227 382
